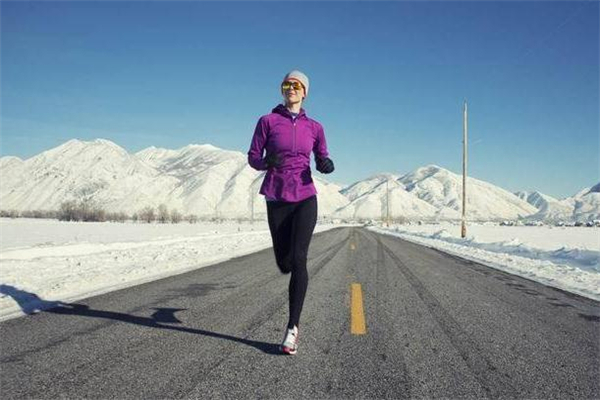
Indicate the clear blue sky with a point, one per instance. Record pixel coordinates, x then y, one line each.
388 80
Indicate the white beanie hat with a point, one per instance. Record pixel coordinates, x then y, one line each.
299 76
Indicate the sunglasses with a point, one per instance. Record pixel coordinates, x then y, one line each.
291 84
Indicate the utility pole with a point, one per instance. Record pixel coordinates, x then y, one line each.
463 231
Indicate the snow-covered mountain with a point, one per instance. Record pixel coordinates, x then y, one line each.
373 202
98 170
549 208
585 192
536 199
10 161
196 179
207 178
443 189
330 198
586 204
583 206
359 188
208 181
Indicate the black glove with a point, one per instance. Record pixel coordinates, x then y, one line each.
325 165
273 160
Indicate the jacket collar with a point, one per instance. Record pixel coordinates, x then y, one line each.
282 110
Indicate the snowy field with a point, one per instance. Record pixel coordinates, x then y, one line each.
48 260
563 257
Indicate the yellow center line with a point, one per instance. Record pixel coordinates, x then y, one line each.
357 315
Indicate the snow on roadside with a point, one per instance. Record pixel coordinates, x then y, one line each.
28 232
34 273
574 268
44 260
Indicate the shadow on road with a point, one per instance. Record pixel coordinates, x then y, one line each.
31 303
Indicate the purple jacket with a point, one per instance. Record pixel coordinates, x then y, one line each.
293 141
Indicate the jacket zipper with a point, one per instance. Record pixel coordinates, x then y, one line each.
294 137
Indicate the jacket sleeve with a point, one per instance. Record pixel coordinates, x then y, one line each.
320 145
255 154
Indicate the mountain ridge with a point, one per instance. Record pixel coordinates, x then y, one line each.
209 181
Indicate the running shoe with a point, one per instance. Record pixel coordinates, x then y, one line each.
290 342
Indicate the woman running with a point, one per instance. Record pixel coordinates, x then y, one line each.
288 136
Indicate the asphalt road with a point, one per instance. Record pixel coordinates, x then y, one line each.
436 326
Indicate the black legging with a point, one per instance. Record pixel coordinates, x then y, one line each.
291 226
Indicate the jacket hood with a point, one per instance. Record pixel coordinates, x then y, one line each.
282 110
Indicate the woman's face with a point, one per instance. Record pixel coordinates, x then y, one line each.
293 91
